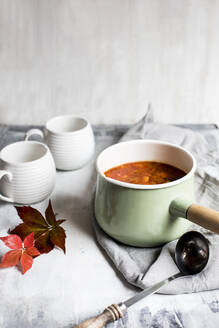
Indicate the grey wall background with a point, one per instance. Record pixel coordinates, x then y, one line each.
106 59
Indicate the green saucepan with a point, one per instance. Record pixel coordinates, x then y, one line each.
149 215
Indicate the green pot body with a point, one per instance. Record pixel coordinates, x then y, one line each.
141 217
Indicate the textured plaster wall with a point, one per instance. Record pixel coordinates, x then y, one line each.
106 59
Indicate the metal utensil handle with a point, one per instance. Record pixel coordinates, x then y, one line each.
151 290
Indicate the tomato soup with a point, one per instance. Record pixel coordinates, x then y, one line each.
145 172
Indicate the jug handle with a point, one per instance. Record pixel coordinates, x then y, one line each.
9 175
31 132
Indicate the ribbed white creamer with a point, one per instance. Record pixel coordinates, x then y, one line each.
70 140
27 172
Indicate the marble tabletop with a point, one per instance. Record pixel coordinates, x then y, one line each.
61 290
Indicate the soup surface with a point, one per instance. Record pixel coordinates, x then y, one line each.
145 172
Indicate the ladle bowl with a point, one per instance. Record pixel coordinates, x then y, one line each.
192 253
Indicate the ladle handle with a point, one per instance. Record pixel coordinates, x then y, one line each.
116 311
110 314
203 216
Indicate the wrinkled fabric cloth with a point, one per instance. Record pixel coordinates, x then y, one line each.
143 267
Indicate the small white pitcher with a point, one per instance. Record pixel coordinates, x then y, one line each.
70 140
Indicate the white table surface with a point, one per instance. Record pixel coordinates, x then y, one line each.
60 290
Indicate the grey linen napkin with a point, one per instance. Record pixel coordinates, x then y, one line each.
143 267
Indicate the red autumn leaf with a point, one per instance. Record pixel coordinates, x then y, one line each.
23 253
32 251
50 215
58 222
57 237
26 262
11 258
12 241
30 215
43 243
47 231
24 230
29 241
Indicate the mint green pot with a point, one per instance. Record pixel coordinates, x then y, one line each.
142 215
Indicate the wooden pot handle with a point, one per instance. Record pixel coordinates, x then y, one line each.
203 216
110 314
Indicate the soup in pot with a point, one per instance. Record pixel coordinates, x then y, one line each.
145 173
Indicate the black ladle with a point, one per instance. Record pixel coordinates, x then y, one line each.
191 255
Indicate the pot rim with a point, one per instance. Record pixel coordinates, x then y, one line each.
148 187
